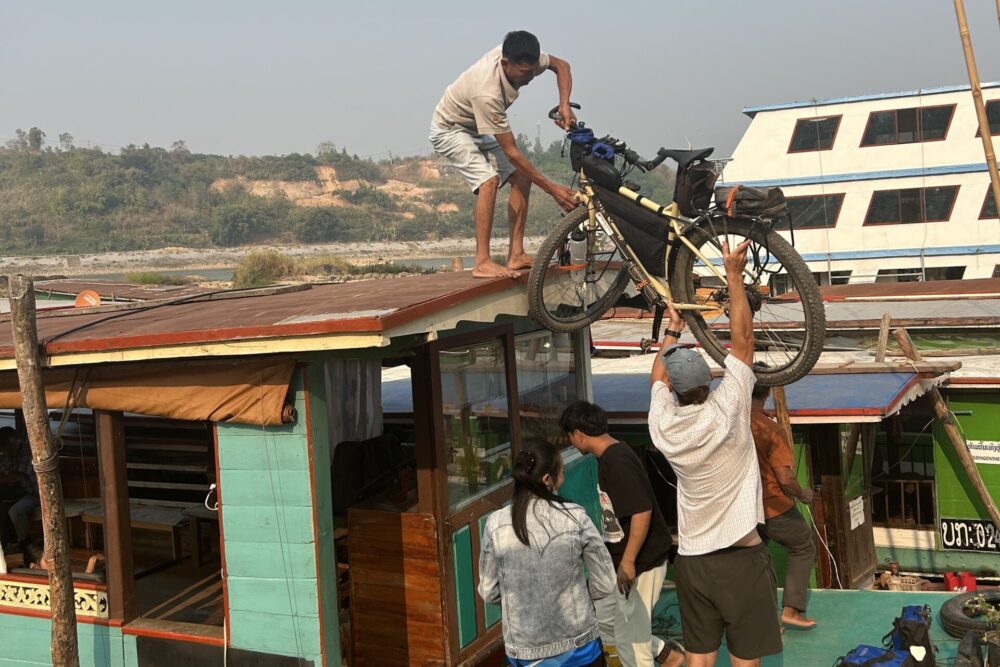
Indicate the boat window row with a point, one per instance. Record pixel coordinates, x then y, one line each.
887 207
886 128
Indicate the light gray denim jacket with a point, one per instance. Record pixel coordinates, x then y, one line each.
542 588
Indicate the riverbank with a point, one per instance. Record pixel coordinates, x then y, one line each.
174 259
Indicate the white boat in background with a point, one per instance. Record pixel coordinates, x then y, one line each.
889 187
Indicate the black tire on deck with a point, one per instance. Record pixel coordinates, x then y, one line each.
953 618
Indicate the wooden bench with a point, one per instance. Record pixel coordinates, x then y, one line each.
144 516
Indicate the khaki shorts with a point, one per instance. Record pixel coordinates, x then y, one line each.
468 153
732 593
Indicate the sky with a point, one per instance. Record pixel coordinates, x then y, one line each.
256 78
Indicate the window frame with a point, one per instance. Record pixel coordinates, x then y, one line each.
836 218
986 200
923 206
918 111
833 140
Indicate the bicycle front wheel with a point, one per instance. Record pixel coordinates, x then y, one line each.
578 274
789 328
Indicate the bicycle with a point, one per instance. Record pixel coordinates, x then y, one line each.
619 236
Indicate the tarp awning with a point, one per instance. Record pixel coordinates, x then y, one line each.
245 391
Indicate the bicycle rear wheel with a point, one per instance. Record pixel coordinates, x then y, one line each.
789 329
577 275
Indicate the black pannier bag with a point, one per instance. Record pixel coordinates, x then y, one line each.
739 201
645 231
693 189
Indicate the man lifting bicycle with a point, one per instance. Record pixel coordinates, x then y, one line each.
470 123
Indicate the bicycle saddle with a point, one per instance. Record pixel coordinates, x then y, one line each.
684 158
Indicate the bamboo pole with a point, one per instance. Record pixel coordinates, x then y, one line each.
955 437
45 460
977 97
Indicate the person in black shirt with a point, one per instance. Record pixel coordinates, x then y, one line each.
636 536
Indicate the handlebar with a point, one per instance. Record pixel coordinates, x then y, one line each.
554 111
620 148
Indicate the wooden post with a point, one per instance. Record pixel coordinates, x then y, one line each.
45 459
781 410
117 528
955 437
977 98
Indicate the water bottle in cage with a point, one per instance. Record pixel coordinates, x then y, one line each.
578 254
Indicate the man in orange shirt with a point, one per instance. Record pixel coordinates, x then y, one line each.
784 523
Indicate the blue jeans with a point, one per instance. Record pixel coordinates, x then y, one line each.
20 514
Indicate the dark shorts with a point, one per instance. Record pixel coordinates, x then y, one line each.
731 593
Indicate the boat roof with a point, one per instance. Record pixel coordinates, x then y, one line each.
754 110
115 290
299 318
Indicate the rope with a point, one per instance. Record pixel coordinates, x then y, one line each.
47 465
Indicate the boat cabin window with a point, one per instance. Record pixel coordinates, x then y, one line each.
174 537
989 209
814 134
907 126
993 117
811 212
911 205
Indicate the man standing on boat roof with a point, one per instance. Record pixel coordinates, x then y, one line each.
470 123
725 584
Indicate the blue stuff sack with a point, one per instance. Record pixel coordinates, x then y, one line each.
876 656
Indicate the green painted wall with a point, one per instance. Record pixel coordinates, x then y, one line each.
24 640
580 483
267 521
979 417
465 587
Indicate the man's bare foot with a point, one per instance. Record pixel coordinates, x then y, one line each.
520 261
490 269
796 619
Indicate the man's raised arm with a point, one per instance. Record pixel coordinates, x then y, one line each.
740 317
564 81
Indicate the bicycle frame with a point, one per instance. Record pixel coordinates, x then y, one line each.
671 212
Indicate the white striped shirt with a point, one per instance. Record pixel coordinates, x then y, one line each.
711 449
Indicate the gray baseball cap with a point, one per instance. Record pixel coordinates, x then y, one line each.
686 367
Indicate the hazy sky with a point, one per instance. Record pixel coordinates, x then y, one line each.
253 77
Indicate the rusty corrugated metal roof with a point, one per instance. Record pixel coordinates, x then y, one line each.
371 306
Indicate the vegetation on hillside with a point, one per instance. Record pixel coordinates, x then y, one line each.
61 198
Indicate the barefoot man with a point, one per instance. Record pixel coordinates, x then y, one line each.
470 123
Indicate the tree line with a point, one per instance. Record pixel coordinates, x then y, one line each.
63 198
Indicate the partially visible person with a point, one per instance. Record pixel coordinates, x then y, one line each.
725 582
35 558
10 487
785 525
470 124
636 536
536 554
24 480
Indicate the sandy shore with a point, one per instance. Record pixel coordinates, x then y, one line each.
165 259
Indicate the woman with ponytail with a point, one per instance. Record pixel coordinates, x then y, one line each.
532 563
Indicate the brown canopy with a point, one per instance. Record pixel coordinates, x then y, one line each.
245 391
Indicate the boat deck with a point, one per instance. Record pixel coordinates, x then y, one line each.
845 619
